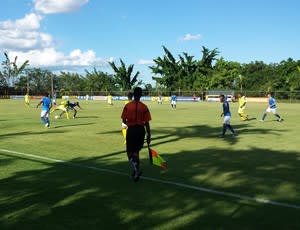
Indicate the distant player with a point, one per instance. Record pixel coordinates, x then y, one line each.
194 97
54 99
72 106
159 100
271 108
46 106
173 101
87 97
26 100
63 107
242 106
109 100
227 115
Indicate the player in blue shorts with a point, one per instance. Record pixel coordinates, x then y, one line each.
46 106
227 115
72 106
173 101
271 108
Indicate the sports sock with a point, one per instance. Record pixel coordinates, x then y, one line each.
277 115
231 129
224 129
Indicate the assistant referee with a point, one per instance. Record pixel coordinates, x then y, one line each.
136 116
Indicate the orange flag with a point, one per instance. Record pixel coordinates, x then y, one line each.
156 159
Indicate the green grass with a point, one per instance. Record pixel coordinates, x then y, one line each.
262 162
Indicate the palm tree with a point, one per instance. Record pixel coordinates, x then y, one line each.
12 70
123 75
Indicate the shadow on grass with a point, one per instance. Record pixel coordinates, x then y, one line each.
173 134
72 125
84 117
45 131
51 195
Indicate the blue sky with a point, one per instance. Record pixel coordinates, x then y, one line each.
81 34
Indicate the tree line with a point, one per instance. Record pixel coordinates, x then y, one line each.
170 73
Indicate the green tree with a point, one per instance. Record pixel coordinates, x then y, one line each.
123 76
99 81
226 75
185 73
167 69
11 70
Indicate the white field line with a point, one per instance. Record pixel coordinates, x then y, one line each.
178 184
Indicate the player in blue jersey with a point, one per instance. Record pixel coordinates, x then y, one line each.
271 108
227 115
46 106
72 106
173 101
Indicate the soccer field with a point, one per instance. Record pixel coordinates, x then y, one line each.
75 175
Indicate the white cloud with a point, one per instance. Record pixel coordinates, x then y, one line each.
191 37
58 6
50 57
24 34
145 62
23 38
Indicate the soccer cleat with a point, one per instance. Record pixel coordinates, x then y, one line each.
221 136
261 120
136 176
280 120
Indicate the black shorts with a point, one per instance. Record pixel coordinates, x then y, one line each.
135 138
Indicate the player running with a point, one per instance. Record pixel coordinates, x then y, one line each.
46 106
63 107
227 115
242 106
109 99
271 108
72 106
26 100
173 101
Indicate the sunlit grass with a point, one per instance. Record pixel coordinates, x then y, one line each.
263 161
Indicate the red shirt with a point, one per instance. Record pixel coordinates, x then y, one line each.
136 113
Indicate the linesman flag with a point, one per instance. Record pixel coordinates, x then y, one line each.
156 159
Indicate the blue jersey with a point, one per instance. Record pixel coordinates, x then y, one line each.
272 103
174 98
46 103
226 110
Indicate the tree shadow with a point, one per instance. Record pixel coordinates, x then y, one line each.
173 134
72 125
25 133
94 193
84 117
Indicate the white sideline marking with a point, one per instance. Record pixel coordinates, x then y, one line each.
193 187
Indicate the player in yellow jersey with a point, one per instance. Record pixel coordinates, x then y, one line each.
63 107
242 106
109 100
26 100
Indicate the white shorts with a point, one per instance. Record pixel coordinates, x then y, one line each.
269 110
173 102
45 113
227 120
